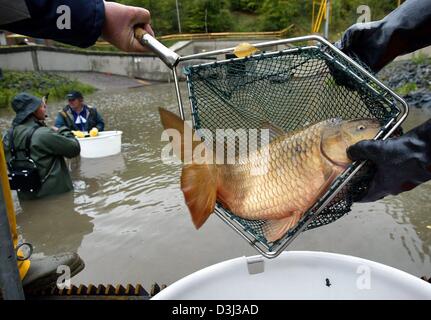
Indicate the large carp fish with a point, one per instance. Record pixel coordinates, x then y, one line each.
300 167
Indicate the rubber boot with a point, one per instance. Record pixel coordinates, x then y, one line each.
43 271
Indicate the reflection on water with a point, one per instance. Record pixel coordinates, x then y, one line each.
128 220
415 118
404 210
91 168
52 225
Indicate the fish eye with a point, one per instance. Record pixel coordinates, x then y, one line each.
361 127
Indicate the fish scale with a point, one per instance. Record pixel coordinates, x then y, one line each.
267 197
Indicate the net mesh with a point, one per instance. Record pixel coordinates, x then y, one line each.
290 89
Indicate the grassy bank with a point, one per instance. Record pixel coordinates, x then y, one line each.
38 84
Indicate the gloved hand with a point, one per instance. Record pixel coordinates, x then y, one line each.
78 134
377 43
94 132
340 76
356 38
400 163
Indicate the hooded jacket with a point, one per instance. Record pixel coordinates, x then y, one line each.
47 149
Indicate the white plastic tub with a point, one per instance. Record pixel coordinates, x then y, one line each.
107 143
298 275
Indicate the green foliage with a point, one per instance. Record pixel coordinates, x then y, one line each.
254 15
192 15
279 14
251 6
207 15
407 88
420 58
38 84
245 22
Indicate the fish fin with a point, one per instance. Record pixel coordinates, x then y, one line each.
181 149
172 121
330 174
275 229
199 185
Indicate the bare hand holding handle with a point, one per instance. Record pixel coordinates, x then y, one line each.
169 57
120 22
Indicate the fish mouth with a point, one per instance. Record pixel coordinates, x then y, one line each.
340 164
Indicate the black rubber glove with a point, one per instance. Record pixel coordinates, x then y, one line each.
400 163
377 43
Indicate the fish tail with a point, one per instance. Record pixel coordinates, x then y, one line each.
198 181
171 121
199 185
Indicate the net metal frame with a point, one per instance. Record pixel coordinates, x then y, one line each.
382 103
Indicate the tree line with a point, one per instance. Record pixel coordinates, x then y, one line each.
259 15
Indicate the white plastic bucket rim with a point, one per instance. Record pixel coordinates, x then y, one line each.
107 143
298 275
102 135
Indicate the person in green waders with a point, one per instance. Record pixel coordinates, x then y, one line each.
46 147
30 138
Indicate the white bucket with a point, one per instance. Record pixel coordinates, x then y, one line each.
298 275
107 143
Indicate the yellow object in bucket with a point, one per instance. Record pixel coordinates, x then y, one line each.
94 132
79 134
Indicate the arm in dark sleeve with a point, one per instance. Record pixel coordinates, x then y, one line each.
61 143
59 121
100 124
406 29
87 18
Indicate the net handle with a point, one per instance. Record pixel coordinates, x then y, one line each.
169 57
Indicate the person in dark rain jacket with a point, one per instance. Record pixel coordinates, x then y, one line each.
47 147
